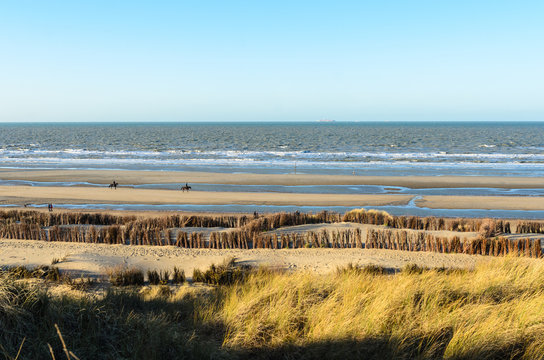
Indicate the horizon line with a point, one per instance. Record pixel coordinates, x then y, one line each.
262 121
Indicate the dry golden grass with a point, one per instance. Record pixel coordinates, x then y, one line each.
495 311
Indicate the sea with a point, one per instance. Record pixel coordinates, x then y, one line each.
350 148
339 148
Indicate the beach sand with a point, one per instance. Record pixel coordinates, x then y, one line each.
98 195
84 259
20 195
94 260
482 202
157 177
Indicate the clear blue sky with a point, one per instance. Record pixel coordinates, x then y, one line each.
279 60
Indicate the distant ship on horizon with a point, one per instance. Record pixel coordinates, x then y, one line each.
326 120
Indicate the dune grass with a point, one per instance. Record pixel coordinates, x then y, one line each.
492 312
495 311
227 273
121 276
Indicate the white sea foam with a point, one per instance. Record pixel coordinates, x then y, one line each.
275 162
261 155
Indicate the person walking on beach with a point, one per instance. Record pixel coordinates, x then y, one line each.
50 207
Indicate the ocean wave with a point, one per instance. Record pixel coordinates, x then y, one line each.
251 162
259 155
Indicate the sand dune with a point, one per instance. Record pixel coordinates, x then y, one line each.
95 259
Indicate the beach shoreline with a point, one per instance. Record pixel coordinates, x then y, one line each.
19 195
94 195
134 177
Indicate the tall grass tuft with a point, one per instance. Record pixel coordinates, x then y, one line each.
153 277
121 276
227 273
370 269
178 276
50 273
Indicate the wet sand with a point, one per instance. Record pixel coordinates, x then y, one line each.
158 177
22 194
94 195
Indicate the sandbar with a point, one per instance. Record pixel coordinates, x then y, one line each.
482 202
181 177
96 195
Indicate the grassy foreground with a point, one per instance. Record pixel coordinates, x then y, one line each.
493 312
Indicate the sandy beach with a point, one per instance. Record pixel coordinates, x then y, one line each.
158 177
20 195
482 202
93 195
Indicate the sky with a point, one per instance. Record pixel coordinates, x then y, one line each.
271 60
